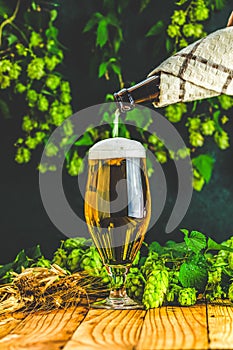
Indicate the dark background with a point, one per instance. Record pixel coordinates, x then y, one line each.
24 221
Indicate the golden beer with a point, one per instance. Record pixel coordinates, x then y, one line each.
117 225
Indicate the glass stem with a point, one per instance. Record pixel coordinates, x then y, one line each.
118 278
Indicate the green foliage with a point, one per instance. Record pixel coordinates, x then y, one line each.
175 273
30 70
187 296
155 29
202 119
192 275
203 167
195 240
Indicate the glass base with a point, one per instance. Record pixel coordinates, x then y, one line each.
117 304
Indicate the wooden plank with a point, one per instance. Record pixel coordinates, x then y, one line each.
9 322
220 324
43 331
174 327
108 329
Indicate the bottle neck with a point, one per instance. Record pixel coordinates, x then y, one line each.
145 91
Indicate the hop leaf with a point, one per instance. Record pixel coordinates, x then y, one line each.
195 241
204 164
194 276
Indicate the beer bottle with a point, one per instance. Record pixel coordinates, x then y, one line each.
145 91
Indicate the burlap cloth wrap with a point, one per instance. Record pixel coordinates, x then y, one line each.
201 70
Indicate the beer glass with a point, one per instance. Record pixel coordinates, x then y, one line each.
117 210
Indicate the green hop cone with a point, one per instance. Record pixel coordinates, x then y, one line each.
44 126
39 136
59 112
135 283
76 165
92 264
187 296
199 31
60 257
66 110
77 242
21 50
198 183
173 293
214 275
65 97
208 127
230 292
65 86
73 259
226 101
42 168
20 88
182 153
53 81
183 43
28 124
35 39
161 156
57 119
153 139
51 62
215 292
31 142
150 264
156 287
5 81
68 127
35 69
23 155
179 17
173 287
230 260
222 139
32 97
189 30
51 149
196 139
42 103
174 112
228 243
193 124
173 30
201 12
15 71
5 66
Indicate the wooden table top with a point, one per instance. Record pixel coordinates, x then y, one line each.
169 327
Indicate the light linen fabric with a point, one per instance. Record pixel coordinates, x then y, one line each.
201 70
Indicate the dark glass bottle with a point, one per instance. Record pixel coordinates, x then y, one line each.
145 91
